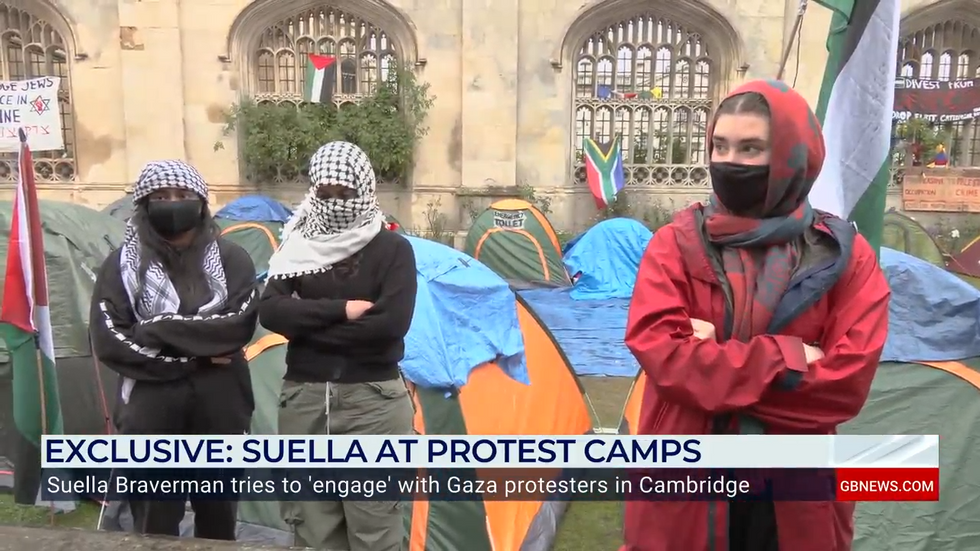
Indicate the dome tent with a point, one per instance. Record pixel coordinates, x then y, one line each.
515 239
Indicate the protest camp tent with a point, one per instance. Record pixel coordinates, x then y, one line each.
255 223
515 240
553 403
77 240
394 225
121 209
904 234
932 356
604 261
259 239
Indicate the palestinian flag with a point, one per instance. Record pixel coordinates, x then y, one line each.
321 74
604 169
855 109
25 324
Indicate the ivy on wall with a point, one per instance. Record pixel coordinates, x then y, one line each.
276 140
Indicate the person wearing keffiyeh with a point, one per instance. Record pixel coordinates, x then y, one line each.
341 287
755 314
172 311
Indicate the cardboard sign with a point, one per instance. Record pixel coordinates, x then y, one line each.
941 190
32 105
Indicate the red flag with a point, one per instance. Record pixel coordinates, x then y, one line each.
26 280
25 324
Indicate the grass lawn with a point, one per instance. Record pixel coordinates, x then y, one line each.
597 526
585 526
85 516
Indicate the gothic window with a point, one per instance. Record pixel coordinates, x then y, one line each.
649 80
946 51
365 54
30 48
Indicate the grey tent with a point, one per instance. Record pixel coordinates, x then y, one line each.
77 240
121 208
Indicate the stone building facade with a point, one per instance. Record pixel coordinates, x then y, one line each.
515 83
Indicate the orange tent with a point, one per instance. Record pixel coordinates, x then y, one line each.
489 403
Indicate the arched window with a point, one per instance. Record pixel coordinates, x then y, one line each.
30 48
946 51
365 55
651 81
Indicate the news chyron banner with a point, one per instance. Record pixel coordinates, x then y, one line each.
466 468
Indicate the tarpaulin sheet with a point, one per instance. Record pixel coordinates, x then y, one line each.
590 332
933 316
255 208
604 261
465 316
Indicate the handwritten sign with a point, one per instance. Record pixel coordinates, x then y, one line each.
32 105
509 220
942 190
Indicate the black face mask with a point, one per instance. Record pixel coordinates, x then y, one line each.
172 218
740 188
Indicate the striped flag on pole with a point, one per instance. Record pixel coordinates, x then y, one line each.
25 324
321 74
855 109
604 169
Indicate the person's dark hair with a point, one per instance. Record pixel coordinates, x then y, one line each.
749 103
184 266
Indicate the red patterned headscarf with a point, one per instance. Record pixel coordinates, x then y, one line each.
797 152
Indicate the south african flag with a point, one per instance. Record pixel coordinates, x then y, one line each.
604 169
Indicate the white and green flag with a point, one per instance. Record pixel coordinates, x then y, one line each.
321 72
855 109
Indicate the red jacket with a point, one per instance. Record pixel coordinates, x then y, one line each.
690 381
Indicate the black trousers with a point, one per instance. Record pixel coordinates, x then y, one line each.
752 526
214 400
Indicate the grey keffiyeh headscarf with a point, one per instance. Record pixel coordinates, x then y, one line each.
323 232
159 297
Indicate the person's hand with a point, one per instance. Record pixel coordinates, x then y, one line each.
703 330
221 360
356 308
812 353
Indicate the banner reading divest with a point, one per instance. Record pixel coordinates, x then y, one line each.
31 105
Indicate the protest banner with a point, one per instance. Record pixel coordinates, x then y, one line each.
31 105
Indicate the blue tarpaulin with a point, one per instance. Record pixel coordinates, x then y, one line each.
590 332
934 315
255 208
604 260
465 316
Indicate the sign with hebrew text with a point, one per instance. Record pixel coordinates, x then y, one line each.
30 104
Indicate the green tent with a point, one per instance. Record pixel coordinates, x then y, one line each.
76 242
259 239
398 227
514 239
904 234
939 398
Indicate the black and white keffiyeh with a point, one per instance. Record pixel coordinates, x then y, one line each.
323 232
159 297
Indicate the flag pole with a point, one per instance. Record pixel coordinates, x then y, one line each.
38 356
792 39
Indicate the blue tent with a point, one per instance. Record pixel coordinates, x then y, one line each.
604 260
255 208
933 315
465 316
